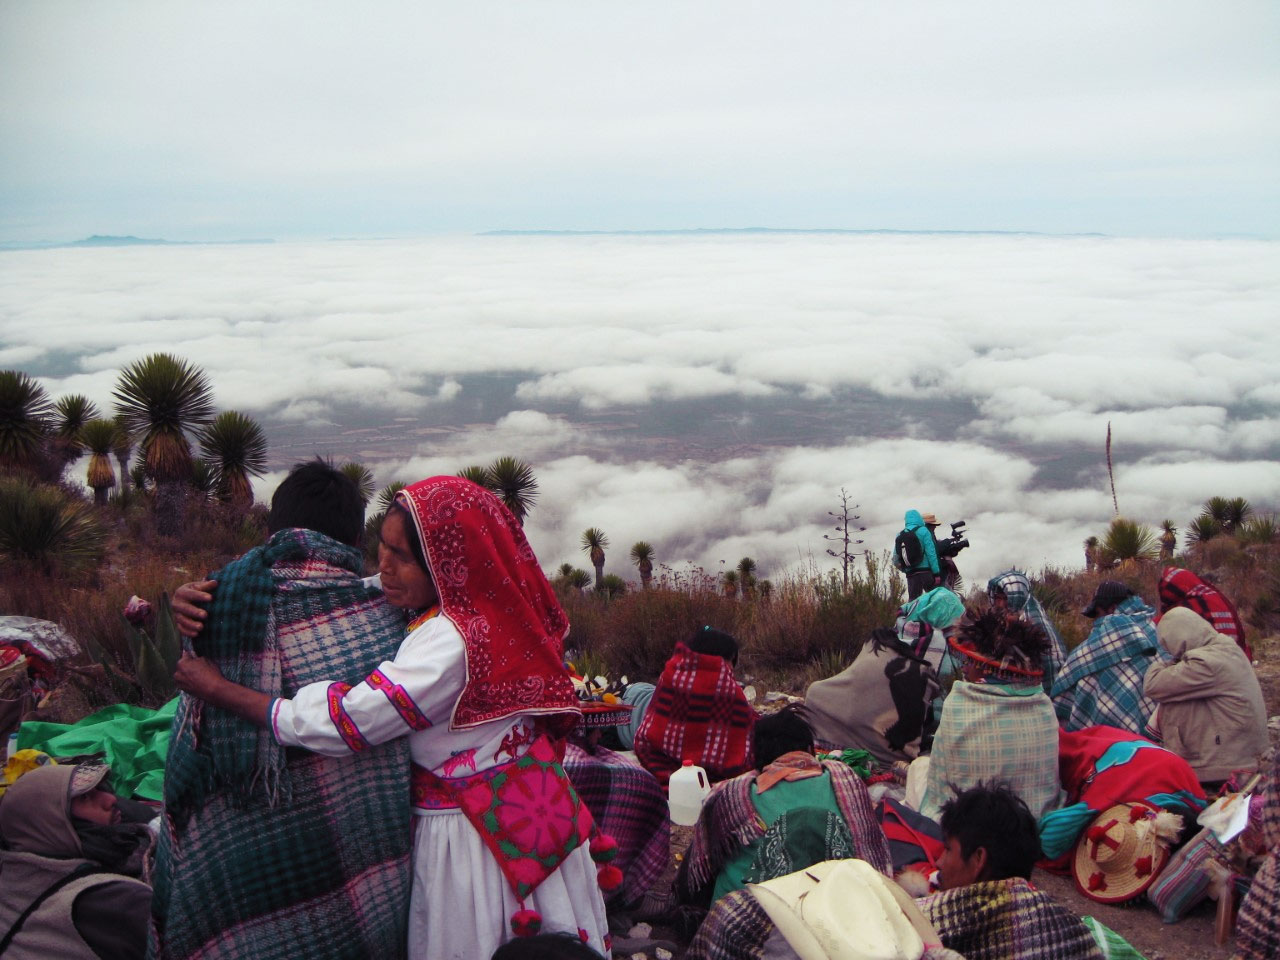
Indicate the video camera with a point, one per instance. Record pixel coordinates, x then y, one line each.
950 546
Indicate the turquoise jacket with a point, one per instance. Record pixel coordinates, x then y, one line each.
914 522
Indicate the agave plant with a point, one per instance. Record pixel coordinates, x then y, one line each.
70 414
43 527
99 436
1230 513
1203 529
24 416
513 481
362 477
593 543
236 447
161 398
1128 540
642 556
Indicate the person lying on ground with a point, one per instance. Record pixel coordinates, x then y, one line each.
1209 706
878 703
1101 680
741 835
1182 588
698 712
324 834
70 868
997 723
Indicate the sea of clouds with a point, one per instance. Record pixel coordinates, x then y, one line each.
712 394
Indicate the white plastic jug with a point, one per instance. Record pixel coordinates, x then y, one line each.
686 791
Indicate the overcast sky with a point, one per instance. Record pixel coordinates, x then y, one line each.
711 395
196 120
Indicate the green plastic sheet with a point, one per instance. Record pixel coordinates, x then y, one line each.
134 739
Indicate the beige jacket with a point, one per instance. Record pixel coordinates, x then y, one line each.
1211 711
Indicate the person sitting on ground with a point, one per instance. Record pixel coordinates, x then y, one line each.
1182 588
1101 680
1258 924
1209 706
997 722
698 712
986 908
826 806
1011 592
878 703
69 868
918 560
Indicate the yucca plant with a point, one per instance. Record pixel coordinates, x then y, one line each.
1259 530
161 398
578 578
45 528
642 556
362 477
1230 513
24 419
515 485
204 477
123 446
1203 529
236 447
747 576
476 474
612 586
387 495
1168 539
99 436
70 414
1128 540
593 543
729 583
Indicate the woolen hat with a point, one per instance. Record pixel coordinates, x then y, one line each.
1108 592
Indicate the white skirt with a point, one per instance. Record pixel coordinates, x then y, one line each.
461 904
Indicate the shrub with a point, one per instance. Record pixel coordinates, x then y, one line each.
44 527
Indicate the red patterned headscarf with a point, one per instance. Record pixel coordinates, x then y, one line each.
492 589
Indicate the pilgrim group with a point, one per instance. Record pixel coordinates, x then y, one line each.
405 765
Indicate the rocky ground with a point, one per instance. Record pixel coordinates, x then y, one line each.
1192 938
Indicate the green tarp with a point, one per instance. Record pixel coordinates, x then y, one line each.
134 739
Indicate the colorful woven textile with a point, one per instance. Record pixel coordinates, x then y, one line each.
1016 587
729 821
698 713
1101 681
993 731
323 860
1103 766
628 804
1008 920
1182 588
492 589
134 739
1258 925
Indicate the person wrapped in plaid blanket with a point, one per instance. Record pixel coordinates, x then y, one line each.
1182 588
262 848
1011 591
1101 680
698 712
1258 925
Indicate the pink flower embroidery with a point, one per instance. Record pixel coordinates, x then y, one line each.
535 812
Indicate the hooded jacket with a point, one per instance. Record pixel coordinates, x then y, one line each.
1211 708
102 914
914 522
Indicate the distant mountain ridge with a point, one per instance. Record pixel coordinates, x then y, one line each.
110 240
696 231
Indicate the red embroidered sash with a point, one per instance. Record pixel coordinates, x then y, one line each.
526 811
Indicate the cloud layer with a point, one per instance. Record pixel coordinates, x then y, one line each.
712 394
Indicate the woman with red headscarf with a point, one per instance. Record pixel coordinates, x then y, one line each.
502 844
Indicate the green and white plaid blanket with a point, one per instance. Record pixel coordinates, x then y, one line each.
266 853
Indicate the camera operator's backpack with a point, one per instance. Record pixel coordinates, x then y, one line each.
908 549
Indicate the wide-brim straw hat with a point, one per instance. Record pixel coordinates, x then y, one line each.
1121 853
844 910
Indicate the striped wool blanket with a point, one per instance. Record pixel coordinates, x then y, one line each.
1258 926
628 804
1008 920
264 850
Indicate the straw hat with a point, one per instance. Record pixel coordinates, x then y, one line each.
844 910
1123 851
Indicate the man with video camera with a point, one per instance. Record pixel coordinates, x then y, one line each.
915 553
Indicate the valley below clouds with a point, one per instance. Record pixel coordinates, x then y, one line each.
712 393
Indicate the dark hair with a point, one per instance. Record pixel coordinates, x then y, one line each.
713 642
992 816
316 496
886 638
545 946
780 733
410 532
995 635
